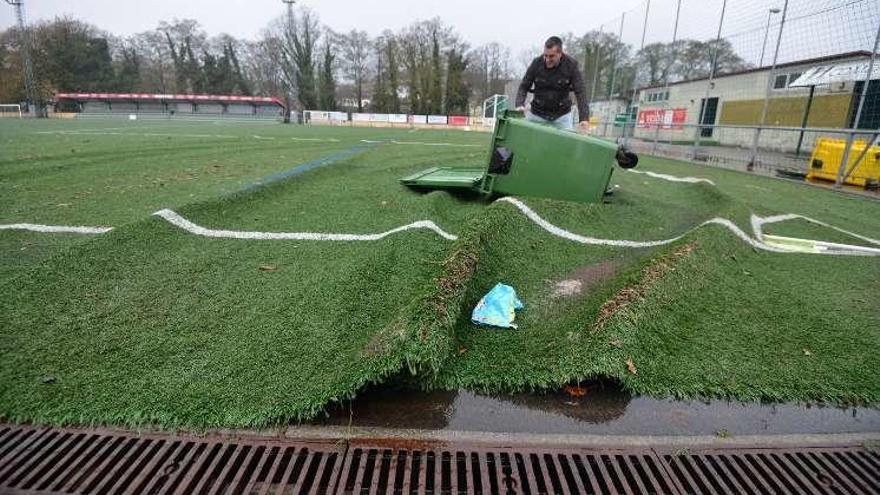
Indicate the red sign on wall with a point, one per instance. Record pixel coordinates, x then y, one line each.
667 119
458 120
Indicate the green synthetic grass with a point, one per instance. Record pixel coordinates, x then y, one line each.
149 324
109 173
153 325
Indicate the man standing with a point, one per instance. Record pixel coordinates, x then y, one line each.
554 75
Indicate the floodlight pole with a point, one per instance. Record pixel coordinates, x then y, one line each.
773 10
842 173
289 27
635 79
767 90
614 74
25 55
666 78
596 65
709 85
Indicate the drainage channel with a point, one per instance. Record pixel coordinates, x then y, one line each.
100 461
599 408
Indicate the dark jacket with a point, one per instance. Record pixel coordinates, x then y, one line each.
552 88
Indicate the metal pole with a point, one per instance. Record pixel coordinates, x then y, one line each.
633 99
596 66
666 76
613 72
766 34
769 88
700 117
27 65
861 156
851 136
288 95
797 151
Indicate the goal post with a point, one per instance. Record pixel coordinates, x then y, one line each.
10 110
493 106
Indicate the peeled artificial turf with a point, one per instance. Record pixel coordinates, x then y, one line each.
152 325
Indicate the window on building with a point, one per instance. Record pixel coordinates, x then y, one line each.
793 77
781 81
658 96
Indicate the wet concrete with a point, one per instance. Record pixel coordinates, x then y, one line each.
604 410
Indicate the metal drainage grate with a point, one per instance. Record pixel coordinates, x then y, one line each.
35 460
103 462
443 469
459 470
772 471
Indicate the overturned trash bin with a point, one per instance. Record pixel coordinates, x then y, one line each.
530 159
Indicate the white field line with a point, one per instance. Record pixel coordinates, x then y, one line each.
421 143
85 130
105 132
672 178
565 234
811 246
192 228
148 134
759 222
317 140
453 145
756 242
56 229
219 136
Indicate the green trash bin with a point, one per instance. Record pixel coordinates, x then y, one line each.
531 159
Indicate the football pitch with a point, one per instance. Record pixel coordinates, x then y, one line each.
198 274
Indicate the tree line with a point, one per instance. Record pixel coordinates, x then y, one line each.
424 68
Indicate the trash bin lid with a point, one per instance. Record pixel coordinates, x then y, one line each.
446 177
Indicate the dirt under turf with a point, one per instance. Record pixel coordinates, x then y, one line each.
150 324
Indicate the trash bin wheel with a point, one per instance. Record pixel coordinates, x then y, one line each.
626 158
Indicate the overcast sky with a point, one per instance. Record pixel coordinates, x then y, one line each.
519 24
516 23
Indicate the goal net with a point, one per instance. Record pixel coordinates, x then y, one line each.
12 110
492 107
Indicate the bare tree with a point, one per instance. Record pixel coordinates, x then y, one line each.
261 62
655 60
185 38
355 51
157 74
299 38
327 78
392 61
489 69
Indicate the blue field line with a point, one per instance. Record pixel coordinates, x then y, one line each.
305 167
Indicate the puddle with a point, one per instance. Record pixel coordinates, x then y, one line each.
604 410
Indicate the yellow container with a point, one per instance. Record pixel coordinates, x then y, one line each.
828 154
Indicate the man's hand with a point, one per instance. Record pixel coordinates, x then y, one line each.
521 109
584 127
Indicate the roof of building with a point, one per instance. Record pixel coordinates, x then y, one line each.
191 98
817 60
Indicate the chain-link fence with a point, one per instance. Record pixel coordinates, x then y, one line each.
749 84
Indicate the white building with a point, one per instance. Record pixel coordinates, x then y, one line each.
738 99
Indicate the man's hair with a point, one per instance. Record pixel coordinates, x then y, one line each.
553 41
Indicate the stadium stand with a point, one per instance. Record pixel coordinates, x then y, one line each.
171 105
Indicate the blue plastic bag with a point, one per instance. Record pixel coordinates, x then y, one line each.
497 308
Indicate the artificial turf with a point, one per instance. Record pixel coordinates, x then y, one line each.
152 325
